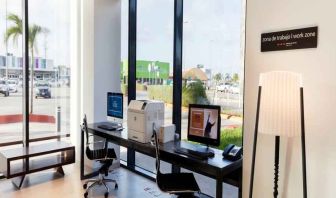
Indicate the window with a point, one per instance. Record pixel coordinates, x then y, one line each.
10 72
154 65
49 52
213 67
213 62
49 70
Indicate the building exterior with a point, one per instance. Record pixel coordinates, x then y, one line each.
43 68
151 72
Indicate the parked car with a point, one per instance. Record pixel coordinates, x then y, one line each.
20 83
13 86
54 83
4 88
223 87
234 89
42 89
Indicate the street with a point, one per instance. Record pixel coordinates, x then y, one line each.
61 97
42 106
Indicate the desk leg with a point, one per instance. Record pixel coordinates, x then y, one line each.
82 156
240 185
219 187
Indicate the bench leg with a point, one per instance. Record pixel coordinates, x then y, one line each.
18 181
60 170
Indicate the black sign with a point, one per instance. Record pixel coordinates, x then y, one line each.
290 39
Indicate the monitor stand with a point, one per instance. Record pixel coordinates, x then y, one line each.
115 121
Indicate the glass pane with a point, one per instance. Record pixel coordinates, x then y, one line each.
213 57
10 71
49 52
154 66
124 66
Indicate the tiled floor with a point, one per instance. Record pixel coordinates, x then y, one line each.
50 185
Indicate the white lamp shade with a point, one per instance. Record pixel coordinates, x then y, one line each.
279 112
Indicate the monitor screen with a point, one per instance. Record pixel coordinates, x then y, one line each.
204 124
115 105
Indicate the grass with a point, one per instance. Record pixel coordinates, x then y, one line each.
231 136
161 92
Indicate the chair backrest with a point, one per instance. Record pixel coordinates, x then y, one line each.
157 152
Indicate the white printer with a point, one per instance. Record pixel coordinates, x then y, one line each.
141 115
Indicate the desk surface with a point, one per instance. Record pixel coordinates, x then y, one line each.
213 167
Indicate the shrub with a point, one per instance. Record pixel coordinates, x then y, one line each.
161 92
194 93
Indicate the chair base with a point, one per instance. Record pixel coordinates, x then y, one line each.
101 180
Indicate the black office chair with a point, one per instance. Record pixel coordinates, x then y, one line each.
180 184
103 155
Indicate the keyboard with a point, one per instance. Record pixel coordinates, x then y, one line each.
194 154
111 127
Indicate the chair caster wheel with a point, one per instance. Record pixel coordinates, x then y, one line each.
85 195
85 186
116 186
106 195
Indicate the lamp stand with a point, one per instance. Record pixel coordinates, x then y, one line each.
276 164
303 144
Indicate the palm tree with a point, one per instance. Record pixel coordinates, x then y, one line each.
14 32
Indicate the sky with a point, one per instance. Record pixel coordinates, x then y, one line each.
51 14
212 33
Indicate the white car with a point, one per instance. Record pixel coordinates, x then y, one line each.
54 83
234 89
13 86
4 88
42 89
223 87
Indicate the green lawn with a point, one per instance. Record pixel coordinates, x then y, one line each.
231 136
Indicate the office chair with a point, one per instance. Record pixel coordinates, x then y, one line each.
180 184
103 155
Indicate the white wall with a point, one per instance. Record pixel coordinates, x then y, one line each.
107 53
318 67
100 56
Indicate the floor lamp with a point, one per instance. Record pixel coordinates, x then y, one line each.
280 112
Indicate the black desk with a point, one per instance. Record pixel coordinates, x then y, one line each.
217 168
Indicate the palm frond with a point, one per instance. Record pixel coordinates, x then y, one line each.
13 32
34 31
16 20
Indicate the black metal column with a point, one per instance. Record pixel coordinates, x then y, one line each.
255 144
303 144
25 91
177 64
132 40
177 69
276 166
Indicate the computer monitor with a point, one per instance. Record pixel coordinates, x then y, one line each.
115 107
204 124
